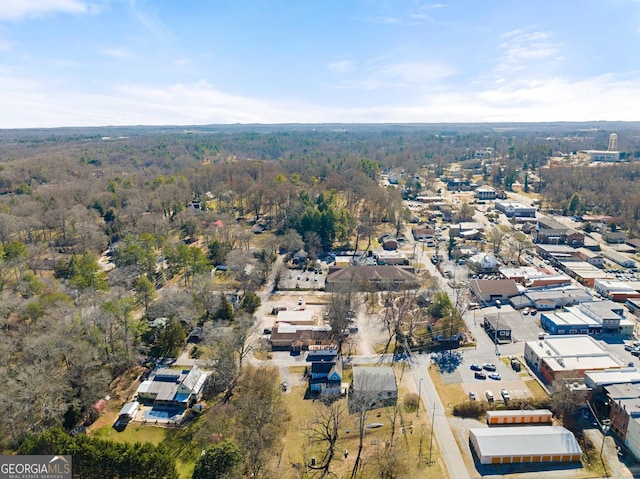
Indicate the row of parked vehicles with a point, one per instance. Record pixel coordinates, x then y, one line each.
490 397
480 371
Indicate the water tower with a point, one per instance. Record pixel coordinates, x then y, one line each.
613 142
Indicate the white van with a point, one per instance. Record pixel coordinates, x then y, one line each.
489 396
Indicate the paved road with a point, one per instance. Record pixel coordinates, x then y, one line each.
447 444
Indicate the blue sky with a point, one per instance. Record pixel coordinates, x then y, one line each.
154 62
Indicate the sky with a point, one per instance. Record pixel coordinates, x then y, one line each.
193 62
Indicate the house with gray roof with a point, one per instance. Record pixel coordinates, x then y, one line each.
372 388
173 387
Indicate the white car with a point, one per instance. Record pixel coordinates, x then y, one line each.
473 396
505 395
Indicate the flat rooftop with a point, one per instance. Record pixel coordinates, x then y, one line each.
525 441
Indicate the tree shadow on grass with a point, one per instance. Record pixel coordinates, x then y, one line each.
447 361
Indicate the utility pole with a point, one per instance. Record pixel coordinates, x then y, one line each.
495 338
419 397
433 418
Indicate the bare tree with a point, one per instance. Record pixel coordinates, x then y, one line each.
323 433
340 314
261 416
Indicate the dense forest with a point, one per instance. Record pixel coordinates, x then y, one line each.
93 222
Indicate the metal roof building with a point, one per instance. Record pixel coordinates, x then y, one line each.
524 444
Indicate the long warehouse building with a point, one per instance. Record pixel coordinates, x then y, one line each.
524 444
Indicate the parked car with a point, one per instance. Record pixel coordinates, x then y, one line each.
489 396
635 352
505 395
495 376
533 312
525 311
475 367
473 396
480 375
489 367
628 347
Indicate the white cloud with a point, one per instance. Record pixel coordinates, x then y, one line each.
341 66
27 103
401 75
120 53
521 47
18 9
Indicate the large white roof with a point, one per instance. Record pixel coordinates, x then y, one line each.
525 441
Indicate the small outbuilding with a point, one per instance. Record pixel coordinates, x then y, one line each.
128 411
519 416
524 444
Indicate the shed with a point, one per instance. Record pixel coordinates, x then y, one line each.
519 416
524 444
128 411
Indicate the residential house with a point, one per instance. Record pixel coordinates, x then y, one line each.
173 387
467 230
388 242
372 388
483 263
423 233
326 377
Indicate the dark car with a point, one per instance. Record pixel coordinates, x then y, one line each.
533 312
635 352
489 367
480 375
475 367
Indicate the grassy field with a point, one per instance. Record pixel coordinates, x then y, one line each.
412 446
410 434
451 394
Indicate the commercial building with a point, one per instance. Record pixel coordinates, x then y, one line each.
497 328
532 277
555 358
615 290
484 193
603 155
548 298
620 259
491 290
512 208
550 231
584 272
589 317
592 257
524 444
